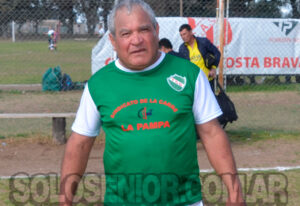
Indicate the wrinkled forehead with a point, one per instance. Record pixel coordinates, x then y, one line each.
140 15
185 31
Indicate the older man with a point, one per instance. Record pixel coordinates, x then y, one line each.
148 104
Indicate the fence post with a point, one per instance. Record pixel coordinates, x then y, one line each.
13 35
226 43
59 129
181 8
221 37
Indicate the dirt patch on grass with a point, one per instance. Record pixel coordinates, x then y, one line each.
266 98
267 110
34 157
21 87
39 102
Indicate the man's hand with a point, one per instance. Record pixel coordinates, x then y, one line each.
212 73
219 153
74 163
235 196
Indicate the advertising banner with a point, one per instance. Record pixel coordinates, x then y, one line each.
253 46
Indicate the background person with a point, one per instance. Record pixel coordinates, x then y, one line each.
52 36
200 51
166 46
149 106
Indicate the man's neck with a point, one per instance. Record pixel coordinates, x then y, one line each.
160 56
168 50
192 42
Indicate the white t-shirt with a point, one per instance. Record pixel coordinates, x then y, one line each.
50 32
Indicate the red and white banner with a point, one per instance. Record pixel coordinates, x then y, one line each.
252 45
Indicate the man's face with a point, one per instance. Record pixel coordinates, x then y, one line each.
186 35
135 40
164 49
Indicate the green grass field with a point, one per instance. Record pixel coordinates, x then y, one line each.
25 62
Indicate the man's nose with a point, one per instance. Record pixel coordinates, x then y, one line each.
136 39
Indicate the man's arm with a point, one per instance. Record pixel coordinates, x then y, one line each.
220 155
183 52
73 166
211 48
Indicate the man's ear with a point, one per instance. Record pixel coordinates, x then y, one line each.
112 40
157 30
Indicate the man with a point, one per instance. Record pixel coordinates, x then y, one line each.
52 36
148 104
200 51
166 46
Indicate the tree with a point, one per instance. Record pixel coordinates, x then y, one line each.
90 9
106 7
296 8
6 15
239 8
66 14
22 11
165 8
258 9
29 10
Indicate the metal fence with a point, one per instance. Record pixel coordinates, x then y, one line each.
29 20
252 30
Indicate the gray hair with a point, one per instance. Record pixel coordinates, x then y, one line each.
129 5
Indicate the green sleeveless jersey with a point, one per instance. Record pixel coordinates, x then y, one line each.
150 152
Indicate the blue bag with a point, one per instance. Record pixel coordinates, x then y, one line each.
66 83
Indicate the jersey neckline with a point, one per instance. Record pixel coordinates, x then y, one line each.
125 70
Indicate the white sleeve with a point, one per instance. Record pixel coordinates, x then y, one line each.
205 106
87 121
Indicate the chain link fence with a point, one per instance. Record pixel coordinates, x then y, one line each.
72 21
261 47
270 33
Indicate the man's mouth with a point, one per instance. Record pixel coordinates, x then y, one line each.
138 51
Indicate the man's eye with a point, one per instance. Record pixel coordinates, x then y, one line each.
125 34
145 30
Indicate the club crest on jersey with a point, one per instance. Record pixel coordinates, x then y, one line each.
176 82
